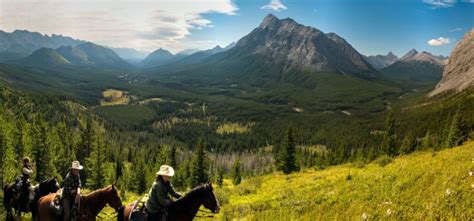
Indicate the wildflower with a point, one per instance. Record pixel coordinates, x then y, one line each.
389 212
471 173
448 192
364 216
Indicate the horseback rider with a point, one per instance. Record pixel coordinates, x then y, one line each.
23 181
71 193
158 199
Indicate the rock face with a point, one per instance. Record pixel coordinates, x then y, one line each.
458 75
302 48
381 61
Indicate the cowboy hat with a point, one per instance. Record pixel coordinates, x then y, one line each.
165 170
76 165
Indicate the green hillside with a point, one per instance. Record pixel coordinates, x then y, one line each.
419 186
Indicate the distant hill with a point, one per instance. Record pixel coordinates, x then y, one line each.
381 61
416 69
45 56
130 55
21 43
85 54
199 56
159 57
458 74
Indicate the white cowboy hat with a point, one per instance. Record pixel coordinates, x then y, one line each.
76 165
165 170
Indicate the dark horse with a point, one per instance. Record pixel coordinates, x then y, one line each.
90 205
186 207
12 200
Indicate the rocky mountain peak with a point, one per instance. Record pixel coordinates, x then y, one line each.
458 74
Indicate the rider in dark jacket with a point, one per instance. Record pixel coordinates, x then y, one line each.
158 199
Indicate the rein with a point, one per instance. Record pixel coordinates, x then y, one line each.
205 216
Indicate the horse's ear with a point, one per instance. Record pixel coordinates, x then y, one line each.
210 186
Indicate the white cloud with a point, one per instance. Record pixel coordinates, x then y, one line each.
439 41
445 3
275 5
456 29
146 24
440 3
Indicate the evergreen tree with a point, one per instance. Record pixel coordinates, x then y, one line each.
41 152
171 159
220 176
199 168
86 141
96 160
139 177
425 141
407 144
118 168
236 176
288 153
456 131
389 139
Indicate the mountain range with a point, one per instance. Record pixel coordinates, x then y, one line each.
85 54
21 43
276 50
416 69
381 61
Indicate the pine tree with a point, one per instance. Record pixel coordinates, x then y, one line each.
171 159
41 152
388 143
139 177
220 176
407 144
96 160
86 141
199 168
288 152
426 141
456 131
118 168
236 176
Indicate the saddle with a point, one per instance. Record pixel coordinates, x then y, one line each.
57 205
138 211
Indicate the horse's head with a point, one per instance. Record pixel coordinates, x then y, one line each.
49 186
112 197
210 201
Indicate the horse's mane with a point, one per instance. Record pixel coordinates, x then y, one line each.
194 191
96 192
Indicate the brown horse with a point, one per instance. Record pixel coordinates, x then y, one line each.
90 205
12 200
186 207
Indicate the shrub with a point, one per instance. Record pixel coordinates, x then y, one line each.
383 160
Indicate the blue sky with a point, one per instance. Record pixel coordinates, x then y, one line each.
371 26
